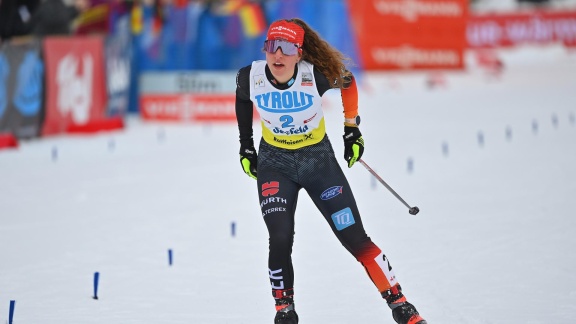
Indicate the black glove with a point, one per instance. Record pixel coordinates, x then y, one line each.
249 159
353 145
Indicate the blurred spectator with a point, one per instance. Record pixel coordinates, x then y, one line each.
54 17
14 17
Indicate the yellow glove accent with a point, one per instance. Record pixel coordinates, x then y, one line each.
356 152
246 166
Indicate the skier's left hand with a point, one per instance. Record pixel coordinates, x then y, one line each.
353 145
249 159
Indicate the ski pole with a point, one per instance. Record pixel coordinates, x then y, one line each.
412 210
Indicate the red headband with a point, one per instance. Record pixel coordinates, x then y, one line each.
289 31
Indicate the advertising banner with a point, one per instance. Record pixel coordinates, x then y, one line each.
118 53
21 89
188 96
75 82
410 34
182 107
534 27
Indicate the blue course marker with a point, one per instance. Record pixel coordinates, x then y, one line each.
170 257
445 149
555 120
96 279
509 133
233 229
11 313
410 165
54 153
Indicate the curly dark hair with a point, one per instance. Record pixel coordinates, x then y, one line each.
328 60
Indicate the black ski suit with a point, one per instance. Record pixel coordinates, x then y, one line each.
283 172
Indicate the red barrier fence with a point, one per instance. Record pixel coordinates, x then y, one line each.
8 141
534 27
182 107
75 83
410 34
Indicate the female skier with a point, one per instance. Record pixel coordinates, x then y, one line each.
295 153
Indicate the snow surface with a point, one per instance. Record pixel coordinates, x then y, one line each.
493 243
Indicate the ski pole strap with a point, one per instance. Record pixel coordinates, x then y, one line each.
278 293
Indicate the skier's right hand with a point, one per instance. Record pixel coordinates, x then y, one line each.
249 159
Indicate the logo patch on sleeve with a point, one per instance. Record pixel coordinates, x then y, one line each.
343 218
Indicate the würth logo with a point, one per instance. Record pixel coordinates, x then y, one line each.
270 188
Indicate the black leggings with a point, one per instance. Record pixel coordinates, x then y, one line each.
281 174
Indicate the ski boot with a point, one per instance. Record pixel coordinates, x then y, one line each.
402 311
285 312
286 315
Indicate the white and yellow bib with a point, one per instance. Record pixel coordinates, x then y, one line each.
291 118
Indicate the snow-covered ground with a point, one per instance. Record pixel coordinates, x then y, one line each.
493 242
